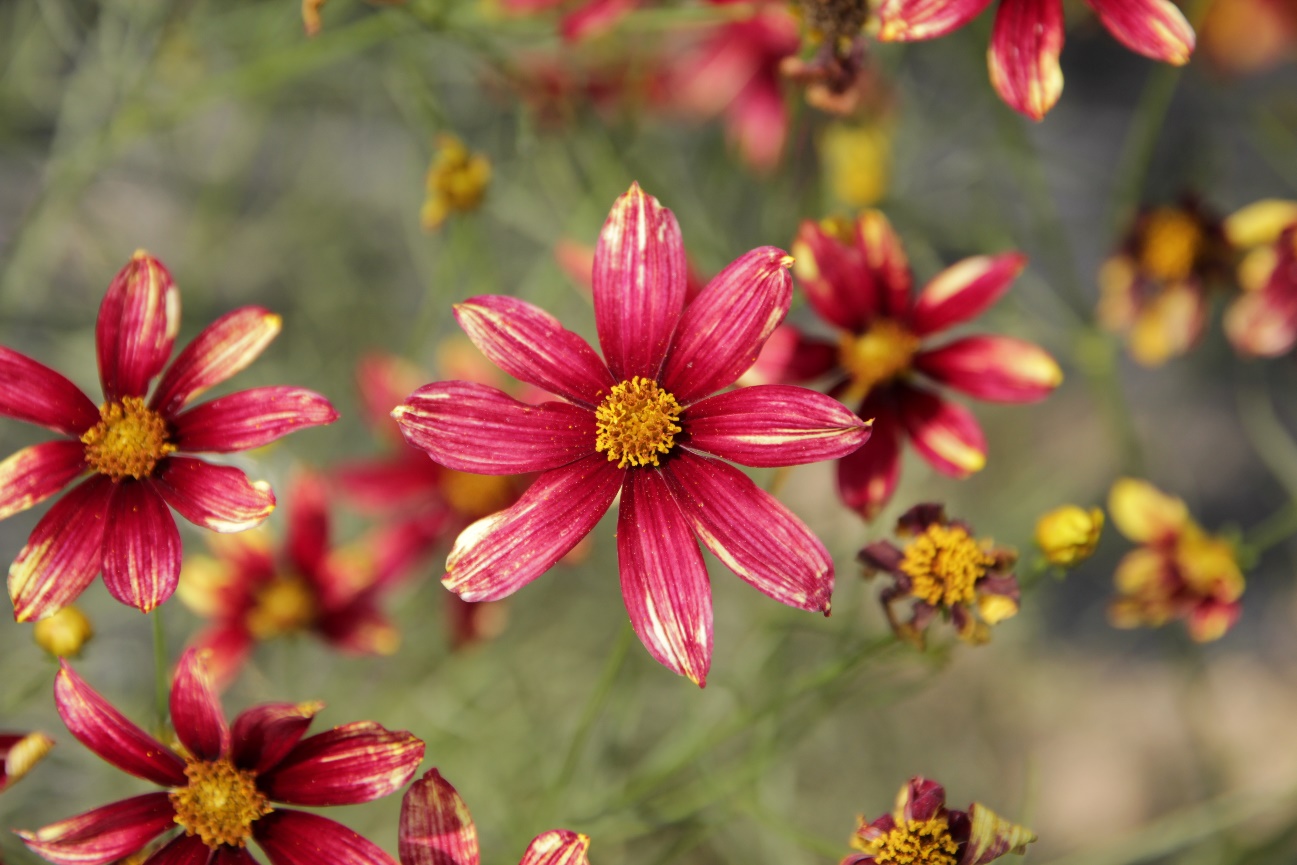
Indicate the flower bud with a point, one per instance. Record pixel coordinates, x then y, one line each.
456 183
1068 535
64 633
19 752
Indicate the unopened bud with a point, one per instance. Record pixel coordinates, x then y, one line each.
1068 535
64 633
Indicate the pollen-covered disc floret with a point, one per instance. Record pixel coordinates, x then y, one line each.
284 605
880 354
220 804
128 441
636 423
917 842
945 565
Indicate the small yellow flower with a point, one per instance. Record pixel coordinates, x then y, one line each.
857 161
64 633
1068 535
456 183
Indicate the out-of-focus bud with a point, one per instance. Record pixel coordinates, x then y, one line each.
456 183
857 161
64 633
19 752
1068 535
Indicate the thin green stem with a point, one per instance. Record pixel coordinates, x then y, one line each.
1274 529
162 688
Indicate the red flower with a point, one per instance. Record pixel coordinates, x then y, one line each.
252 594
638 424
118 520
1262 321
221 786
437 829
1028 38
18 753
857 279
923 831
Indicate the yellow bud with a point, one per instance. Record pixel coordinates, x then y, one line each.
456 182
1068 535
64 633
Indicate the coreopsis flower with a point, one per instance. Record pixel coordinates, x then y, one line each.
921 830
456 182
1068 535
944 570
1247 37
117 520
18 753
252 594
1262 320
1154 290
220 783
858 280
1027 38
639 422
64 633
1178 571
437 829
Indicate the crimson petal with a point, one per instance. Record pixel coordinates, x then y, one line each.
1023 60
751 532
63 553
33 393
997 368
220 498
1154 28
141 547
944 433
499 554
308 524
557 847
965 290
196 711
868 477
225 347
249 419
436 828
916 20
35 473
789 357
354 763
475 428
182 850
297 838
137 326
104 834
263 735
833 274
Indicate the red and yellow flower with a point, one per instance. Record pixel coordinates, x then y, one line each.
639 422
223 784
1178 572
1027 38
1262 320
944 570
921 830
118 521
437 829
857 279
18 753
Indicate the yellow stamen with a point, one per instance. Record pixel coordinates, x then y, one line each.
945 565
128 441
220 804
916 842
285 605
1172 243
476 496
637 422
880 354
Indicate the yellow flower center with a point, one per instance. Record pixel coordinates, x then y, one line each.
945 565
220 804
128 441
916 842
636 422
284 605
1173 240
476 495
880 354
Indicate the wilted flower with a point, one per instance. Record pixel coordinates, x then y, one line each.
640 423
1178 572
456 182
1262 320
252 594
221 782
1154 290
118 520
1068 535
437 829
944 570
64 633
18 753
857 279
922 831
1028 38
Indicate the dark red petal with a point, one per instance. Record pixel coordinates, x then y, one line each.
773 425
227 647
227 855
721 333
500 554
141 547
965 290
533 346
838 286
868 477
1025 47
886 264
1154 28
751 532
394 483
557 847
104 834
791 357
921 799
33 393
663 578
138 322
196 710
639 284
308 523
757 122
361 628
225 347
298 838
108 733
916 20
35 473
944 433
249 419
474 428
436 828
63 553
997 368
354 763
264 734
220 498
182 850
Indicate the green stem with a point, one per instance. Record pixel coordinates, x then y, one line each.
160 669
1274 529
